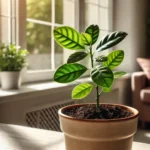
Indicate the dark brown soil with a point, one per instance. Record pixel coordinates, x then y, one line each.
104 112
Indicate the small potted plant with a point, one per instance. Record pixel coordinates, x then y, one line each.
12 60
94 126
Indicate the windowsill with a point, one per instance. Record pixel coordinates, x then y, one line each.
35 89
43 88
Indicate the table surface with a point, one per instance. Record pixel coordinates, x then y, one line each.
14 137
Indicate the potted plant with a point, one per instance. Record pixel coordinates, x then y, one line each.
94 126
12 60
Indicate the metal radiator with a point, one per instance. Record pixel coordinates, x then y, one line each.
46 118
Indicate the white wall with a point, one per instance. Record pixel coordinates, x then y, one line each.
131 16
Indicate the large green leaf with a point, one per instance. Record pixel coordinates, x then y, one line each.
86 39
69 72
68 38
114 59
118 74
82 90
77 56
93 30
111 40
102 76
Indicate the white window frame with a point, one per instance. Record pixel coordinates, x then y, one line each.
38 75
19 36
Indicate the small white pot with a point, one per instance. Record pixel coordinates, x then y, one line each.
10 80
112 134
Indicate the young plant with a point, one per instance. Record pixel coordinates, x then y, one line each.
11 58
101 74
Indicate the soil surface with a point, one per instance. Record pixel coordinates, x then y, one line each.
104 112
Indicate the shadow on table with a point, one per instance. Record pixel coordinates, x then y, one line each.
21 140
142 136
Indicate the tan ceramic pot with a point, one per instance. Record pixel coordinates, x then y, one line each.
10 80
113 134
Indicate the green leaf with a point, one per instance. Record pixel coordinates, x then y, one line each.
102 76
111 40
114 59
82 90
86 38
77 56
118 74
69 72
101 58
68 37
107 89
93 30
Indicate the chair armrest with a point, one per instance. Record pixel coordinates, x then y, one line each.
138 81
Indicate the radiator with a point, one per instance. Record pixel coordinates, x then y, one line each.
46 118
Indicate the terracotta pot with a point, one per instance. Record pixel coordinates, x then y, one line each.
10 80
112 134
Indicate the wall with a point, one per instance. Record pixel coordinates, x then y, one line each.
131 16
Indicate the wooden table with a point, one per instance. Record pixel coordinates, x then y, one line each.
14 137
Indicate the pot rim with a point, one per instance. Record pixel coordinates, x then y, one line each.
135 112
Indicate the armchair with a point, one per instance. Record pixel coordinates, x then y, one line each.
141 95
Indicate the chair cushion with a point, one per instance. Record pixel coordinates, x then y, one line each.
145 65
145 95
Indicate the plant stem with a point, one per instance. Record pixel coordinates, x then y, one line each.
99 94
91 56
97 97
97 88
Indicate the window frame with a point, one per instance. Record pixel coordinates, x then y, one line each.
36 75
19 36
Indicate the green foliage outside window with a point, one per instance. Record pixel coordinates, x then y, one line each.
38 35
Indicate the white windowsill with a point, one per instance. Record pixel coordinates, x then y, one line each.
35 89
44 88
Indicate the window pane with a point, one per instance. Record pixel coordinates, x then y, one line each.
91 14
104 3
103 23
69 12
59 11
97 12
92 1
39 9
39 46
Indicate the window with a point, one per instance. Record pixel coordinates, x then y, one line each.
7 21
42 18
99 12
32 23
